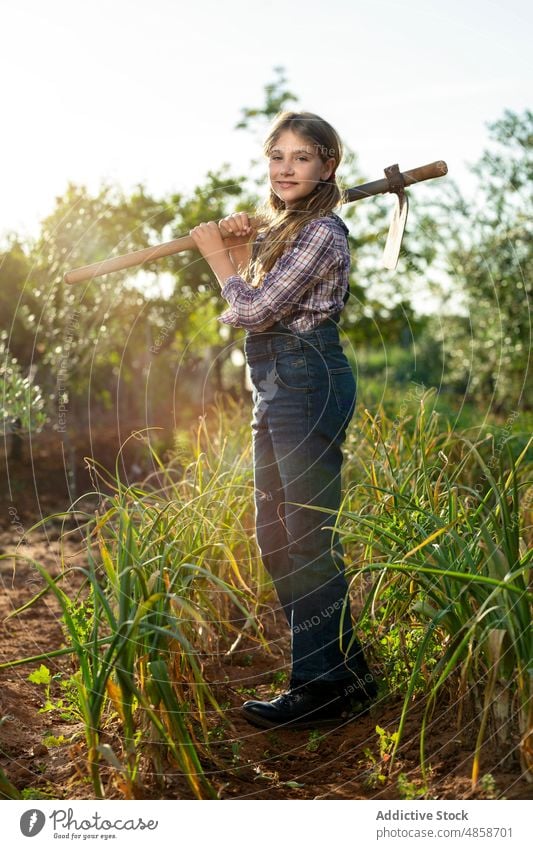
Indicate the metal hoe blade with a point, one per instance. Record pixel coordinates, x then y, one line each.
399 218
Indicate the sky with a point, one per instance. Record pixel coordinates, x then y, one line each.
133 92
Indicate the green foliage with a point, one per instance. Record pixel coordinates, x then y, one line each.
41 676
489 257
277 98
397 647
32 793
444 530
69 707
315 739
7 789
81 613
22 407
410 790
163 585
16 300
386 741
380 763
76 327
53 742
278 679
488 785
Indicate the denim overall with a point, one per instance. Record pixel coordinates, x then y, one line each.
304 394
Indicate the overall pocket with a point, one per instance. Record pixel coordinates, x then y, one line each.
291 371
344 389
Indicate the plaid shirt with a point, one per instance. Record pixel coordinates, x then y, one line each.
306 284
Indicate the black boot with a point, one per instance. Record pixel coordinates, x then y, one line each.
313 704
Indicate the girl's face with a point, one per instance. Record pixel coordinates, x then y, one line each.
295 167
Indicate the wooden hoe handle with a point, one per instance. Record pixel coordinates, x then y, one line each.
186 243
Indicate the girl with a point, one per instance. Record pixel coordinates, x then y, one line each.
287 293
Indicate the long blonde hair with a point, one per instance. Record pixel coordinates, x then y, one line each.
281 225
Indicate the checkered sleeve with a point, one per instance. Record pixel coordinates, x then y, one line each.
296 271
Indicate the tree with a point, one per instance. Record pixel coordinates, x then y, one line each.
77 330
489 257
21 402
17 303
277 98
